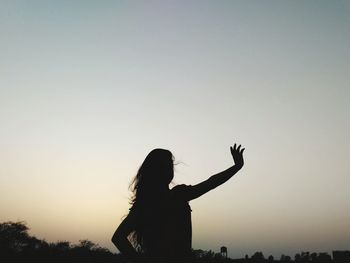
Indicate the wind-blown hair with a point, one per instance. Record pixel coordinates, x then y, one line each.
148 187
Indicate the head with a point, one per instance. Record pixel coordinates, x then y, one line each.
150 183
154 175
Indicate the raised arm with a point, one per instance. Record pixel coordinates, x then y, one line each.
120 238
217 179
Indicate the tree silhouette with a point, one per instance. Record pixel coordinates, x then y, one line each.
285 258
258 257
16 245
297 257
14 236
305 256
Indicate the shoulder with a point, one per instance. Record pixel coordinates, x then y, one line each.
180 187
181 190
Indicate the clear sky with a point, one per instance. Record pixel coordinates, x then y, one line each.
88 88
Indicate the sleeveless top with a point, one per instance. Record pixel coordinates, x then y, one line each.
167 227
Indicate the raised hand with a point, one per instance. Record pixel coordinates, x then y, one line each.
237 154
215 180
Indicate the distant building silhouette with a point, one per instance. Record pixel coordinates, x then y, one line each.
341 256
223 251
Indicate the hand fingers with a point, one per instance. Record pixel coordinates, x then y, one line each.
236 149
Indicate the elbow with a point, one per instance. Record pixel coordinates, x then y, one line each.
117 239
113 239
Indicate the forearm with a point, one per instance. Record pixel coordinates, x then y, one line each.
125 247
212 182
220 178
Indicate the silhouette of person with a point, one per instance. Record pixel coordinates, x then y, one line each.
158 227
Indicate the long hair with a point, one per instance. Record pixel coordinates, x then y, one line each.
148 186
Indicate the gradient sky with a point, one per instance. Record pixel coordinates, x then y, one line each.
88 88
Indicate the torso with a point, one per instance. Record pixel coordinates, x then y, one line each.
168 230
